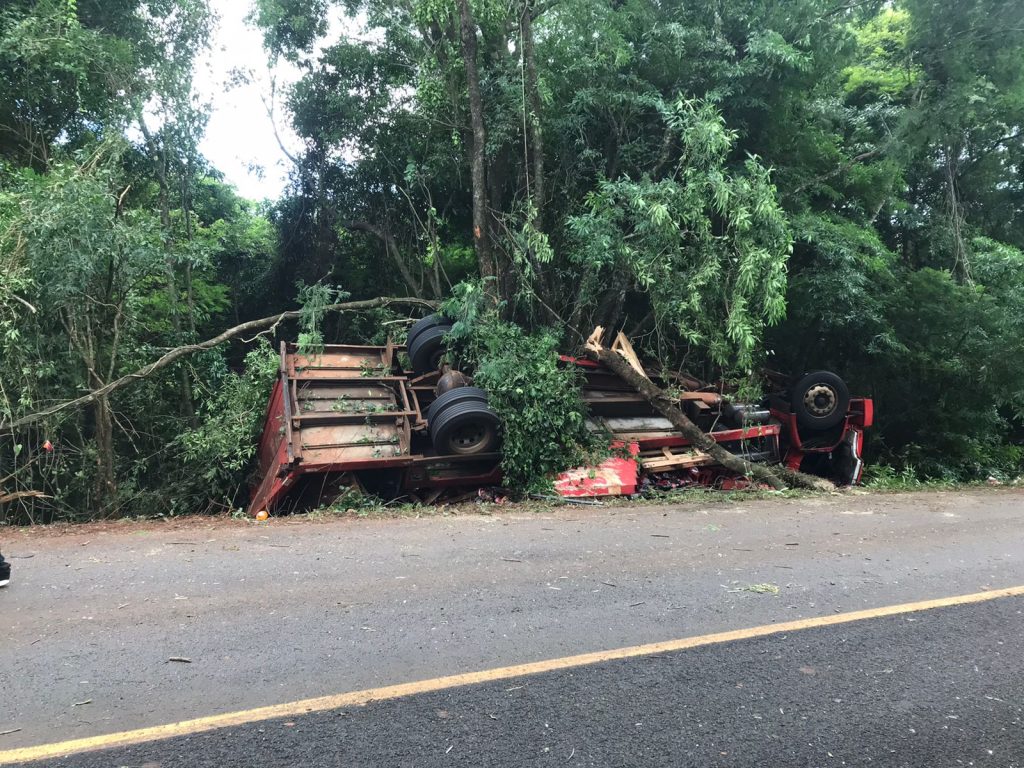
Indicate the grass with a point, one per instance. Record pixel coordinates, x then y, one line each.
354 505
881 477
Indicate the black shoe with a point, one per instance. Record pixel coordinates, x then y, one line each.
5 573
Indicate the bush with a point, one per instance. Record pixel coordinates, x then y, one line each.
219 453
539 401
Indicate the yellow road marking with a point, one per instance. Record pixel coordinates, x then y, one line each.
359 698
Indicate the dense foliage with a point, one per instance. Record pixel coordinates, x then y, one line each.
791 183
540 402
117 242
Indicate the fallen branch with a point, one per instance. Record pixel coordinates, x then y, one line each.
7 498
180 352
779 478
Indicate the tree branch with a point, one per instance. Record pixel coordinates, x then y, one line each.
841 169
268 106
180 352
777 477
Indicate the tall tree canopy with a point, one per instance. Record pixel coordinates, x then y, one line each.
665 167
116 241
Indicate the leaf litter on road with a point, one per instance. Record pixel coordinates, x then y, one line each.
759 589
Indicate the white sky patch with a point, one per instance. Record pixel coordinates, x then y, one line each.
239 138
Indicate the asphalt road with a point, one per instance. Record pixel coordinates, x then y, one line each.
274 613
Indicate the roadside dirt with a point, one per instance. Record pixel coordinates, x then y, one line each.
199 523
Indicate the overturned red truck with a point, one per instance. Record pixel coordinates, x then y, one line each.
354 416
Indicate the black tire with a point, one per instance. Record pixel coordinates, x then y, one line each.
428 349
430 321
820 400
466 429
460 395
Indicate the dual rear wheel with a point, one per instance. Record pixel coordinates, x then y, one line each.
462 423
425 342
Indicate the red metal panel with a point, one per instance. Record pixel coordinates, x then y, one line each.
862 412
582 362
276 480
857 445
616 476
273 429
352 465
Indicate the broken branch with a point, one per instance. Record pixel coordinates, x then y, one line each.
778 478
188 349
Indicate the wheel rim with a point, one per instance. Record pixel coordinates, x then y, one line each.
471 437
820 400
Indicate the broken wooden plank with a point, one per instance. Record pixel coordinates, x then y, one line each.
669 460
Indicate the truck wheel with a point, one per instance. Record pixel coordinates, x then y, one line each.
820 400
430 321
427 350
458 395
465 429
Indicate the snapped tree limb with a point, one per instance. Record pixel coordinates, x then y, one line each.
179 352
779 478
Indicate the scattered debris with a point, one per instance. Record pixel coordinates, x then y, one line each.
760 589
566 500
181 659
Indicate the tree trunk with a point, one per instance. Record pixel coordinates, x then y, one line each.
777 477
186 212
481 222
391 249
533 126
106 483
162 168
187 401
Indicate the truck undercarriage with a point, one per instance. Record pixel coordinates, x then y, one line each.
353 417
